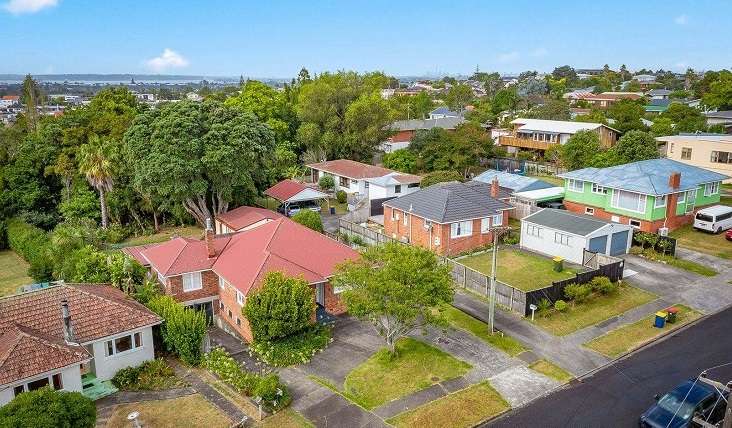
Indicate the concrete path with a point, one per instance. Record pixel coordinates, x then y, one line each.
521 385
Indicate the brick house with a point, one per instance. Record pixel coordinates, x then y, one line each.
403 131
217 274
448 218
647 195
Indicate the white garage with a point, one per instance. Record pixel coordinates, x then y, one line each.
567 234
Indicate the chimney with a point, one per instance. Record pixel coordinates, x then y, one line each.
68 328
494 188
210 239
674 180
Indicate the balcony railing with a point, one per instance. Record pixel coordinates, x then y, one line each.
526 143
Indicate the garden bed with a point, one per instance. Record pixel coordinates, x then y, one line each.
151 375
673 261
298 348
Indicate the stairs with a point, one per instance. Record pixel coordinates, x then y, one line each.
94 388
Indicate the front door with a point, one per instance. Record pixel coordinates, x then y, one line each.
320 294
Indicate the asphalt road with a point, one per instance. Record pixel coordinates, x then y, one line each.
619 393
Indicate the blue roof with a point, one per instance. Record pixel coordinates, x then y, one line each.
446 111
515 182
649 177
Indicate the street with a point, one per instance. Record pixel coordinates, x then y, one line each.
618 394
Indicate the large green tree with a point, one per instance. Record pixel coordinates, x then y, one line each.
96 165
580 149
459 96
636 146
719 95
627 115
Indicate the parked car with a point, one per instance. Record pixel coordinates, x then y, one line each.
714 219
294 207
677 408
552 204
728 235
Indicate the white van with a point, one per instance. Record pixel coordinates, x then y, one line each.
714 219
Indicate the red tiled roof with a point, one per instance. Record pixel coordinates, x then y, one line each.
285 189
351 169
612 97
180 255
244 216
11 97
25 352
136 253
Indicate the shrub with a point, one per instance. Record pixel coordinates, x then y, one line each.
309 219
148 376
115 234
440 177
543 305
326 182
577 292
146 291
183 330
298 348
281 307
46 408
344 237
357 240
82 203
603 285
341 196
511 239
31 243
664 245
560 305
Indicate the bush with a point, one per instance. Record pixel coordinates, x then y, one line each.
511 239
146 291
46 408
603 285
560 305
544 305
115 234
31 243
326 182
83 203
298 348
309 219
440 177
357 240
183 330
341 196
577 292
148 376
281 307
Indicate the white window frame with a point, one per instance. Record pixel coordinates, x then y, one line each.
162 278
572 183
497 220
589 211
659 198
631 221
599 190
113 340
239 298
533 230
561 238
642 200
711 189
222 283
682 198
461 229
48 377
405 219
195 281
485 225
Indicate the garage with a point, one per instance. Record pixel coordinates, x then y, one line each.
568 235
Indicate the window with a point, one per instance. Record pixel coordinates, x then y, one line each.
230 314
138 339
18 390
461 228
682 198
485 225
497 220
686 153
533 230
365 184
671 148
222 283
412 185
398 188
589 211
192 281
561 238
393 215
576 185
37 384
634 223
238 321
123 344
660 201
57 381
404 220
240 298
629 201
721 157
221 305
599 189
711 188
343 181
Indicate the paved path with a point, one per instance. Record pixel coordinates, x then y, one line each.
214 397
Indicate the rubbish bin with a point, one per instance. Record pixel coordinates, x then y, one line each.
660 319
671 318
558 264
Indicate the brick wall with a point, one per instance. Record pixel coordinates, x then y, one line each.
673 222
236 322
333 302
209 280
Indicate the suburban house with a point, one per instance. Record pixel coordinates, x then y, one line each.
448 218
514 182
659 94
9 100
243 218
217 274
568 235
606 99
540 134
723 118
443 112
650 195
371 183
71 337
645 80
708 151
404 130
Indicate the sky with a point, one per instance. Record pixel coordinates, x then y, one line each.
273 38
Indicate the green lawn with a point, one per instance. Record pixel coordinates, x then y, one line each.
519 269
597 308
464 408
704 242
286 418
551 370
461 320
632 336
340 208
675 262
13 273
383 378
552 179
162 236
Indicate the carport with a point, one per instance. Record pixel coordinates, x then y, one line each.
288 192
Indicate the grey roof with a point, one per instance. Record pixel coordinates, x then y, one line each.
648 177
446 111
450 202
725 114
661 103
515 182
661 92
577 224
415 124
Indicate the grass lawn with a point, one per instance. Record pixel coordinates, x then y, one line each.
689 265
551 179
162 236
703 242
286 418
13 273
632 336
465 408
519 269
592 311
340 208
461 320
383 378
551 370
189 411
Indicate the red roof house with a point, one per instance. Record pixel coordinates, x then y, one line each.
243 218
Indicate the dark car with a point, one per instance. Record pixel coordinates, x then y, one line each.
677 408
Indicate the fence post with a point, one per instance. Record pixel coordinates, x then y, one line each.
510 305
465 276
486 284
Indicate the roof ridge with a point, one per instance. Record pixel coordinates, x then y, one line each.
177 256
106 299
43 338
8 351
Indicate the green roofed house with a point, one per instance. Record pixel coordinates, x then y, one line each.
648 195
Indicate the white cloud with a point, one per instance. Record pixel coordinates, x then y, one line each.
540 52
509 56
681 19
168 59
17 7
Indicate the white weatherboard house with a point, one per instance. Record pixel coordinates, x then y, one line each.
567 234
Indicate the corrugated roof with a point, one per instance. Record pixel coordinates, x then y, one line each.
287 189
648 177
555 126
515 182
450 202
351 169
566 221
417 124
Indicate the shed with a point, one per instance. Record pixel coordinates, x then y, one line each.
568 234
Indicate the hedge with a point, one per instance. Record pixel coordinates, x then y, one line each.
183 330
46 408
32 244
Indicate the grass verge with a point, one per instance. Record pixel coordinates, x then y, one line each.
703 242
383 377
189 411
464 408
478 328
286 418
13 273
551 370
632 336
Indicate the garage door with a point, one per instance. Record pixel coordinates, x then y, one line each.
598 244
619 243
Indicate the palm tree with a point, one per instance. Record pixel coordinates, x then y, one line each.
95 164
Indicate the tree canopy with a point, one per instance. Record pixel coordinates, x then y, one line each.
46 408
